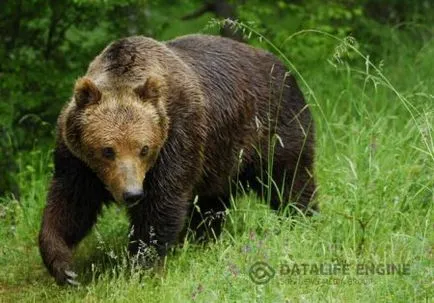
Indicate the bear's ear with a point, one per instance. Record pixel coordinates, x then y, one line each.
86 92
152 89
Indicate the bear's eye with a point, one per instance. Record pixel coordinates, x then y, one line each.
108 152
144 151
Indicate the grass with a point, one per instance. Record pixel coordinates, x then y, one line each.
376 191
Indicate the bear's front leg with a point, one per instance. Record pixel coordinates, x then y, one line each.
156 223
73 203
54 245
67 218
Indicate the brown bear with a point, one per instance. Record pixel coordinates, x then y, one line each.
156 125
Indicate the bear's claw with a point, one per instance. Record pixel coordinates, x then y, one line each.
71 278
71 274
73 282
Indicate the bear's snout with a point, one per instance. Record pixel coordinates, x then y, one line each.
133 196
126 181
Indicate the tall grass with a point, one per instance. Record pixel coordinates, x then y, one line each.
376 191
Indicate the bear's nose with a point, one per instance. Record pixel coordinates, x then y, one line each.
133 196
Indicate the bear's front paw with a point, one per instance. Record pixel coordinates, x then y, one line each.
71 278
64 275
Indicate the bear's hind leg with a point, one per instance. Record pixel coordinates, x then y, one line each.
293 183
288 183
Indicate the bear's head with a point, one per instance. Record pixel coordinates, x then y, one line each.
118 132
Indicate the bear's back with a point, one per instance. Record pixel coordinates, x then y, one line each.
234 76
224 60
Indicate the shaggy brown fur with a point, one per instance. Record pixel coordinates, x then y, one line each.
169 122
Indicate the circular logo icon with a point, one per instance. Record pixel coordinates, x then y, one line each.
261 272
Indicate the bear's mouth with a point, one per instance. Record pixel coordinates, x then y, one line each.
130 205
